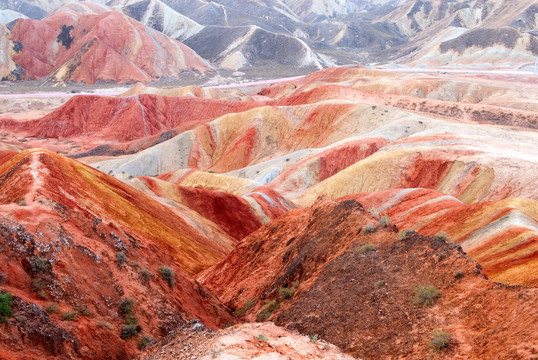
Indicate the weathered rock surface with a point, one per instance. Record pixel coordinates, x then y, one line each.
245 341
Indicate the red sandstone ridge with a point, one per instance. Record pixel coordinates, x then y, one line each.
501 235
76 243
238 215
105 46
333 270
125 118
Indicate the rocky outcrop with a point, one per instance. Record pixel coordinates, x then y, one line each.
334 271
91 277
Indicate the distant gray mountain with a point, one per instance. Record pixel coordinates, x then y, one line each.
307 34
231 34
24 7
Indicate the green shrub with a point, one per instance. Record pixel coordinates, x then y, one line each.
248 305
145 275
126 306
40 265
405 233
128 331
439 340
285 293
379 283
37 284
69 315
131 319
145 341
167 274
369 228
267 310
22 203
121 258
5 306
104 324
425 295
261 337
83 310
458 274
314 338
442 236
384 221
367 249
52 308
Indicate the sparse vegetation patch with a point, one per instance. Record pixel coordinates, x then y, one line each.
369 228
261 337
384 221
248 305
368 248
440 340
121 258
145 341
40 265
145 275
69 315
52 308
128 331
267 310
5 306
286 293
379 284
425 295
442 236
167 274
405 233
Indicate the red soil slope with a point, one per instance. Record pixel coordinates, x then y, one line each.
125 118
38 174
358 297
85 241
231 212
69 46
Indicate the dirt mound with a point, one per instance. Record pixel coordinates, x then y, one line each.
334 271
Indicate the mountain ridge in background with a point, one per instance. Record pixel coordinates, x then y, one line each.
269 37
